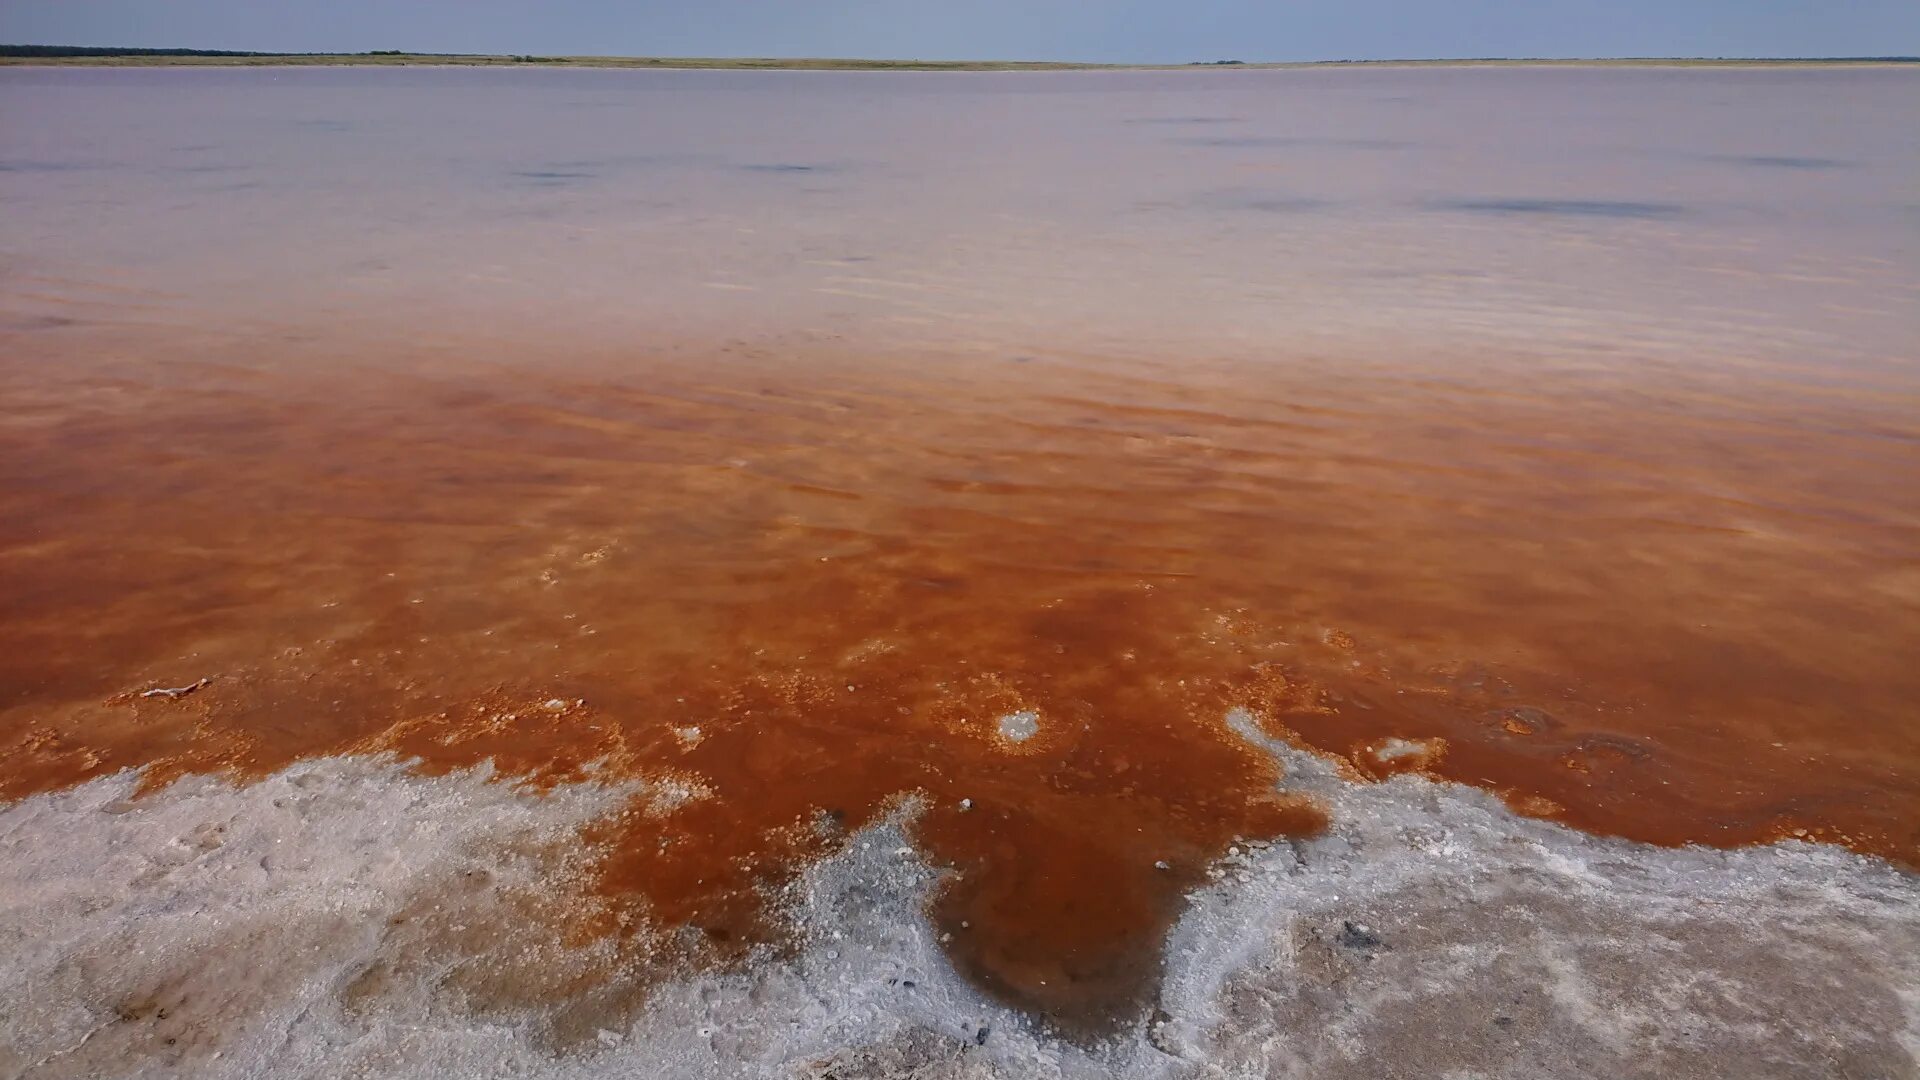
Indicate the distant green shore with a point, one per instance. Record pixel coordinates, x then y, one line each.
106 57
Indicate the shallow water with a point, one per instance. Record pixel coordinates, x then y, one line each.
811 442
1747 212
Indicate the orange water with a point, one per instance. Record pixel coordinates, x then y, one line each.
813 587
1542 431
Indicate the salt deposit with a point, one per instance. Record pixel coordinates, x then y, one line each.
1019 726
346 917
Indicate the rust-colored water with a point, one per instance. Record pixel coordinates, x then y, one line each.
1672 604
802 443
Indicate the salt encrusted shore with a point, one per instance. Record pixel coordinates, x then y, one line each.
346 917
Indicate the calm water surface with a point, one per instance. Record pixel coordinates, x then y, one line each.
816 439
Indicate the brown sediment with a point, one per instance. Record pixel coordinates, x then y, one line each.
810 584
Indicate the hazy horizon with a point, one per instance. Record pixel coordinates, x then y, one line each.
1137 31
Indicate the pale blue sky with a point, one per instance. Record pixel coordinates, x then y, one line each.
1096 30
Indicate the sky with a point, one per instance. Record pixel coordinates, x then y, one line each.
1121 31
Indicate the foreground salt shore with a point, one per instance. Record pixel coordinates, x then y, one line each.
347 918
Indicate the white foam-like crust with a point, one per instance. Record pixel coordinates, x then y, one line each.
348 918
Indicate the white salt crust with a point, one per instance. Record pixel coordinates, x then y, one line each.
346 918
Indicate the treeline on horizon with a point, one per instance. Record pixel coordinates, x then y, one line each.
59 51
94 50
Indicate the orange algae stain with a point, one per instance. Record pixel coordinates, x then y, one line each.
791 597
1056 841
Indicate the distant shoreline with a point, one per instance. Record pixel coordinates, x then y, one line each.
75 56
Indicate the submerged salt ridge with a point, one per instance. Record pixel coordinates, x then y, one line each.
348 917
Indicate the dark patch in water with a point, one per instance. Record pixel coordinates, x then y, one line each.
31 323
1770 161
322 125
1404 274
539 173
1273 142
1605 208
1187 120
1269 202
784 167
48 166
1281 205
552 177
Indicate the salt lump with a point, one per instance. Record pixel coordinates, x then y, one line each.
346 918
1018 727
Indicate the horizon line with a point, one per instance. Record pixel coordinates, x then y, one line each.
70 53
